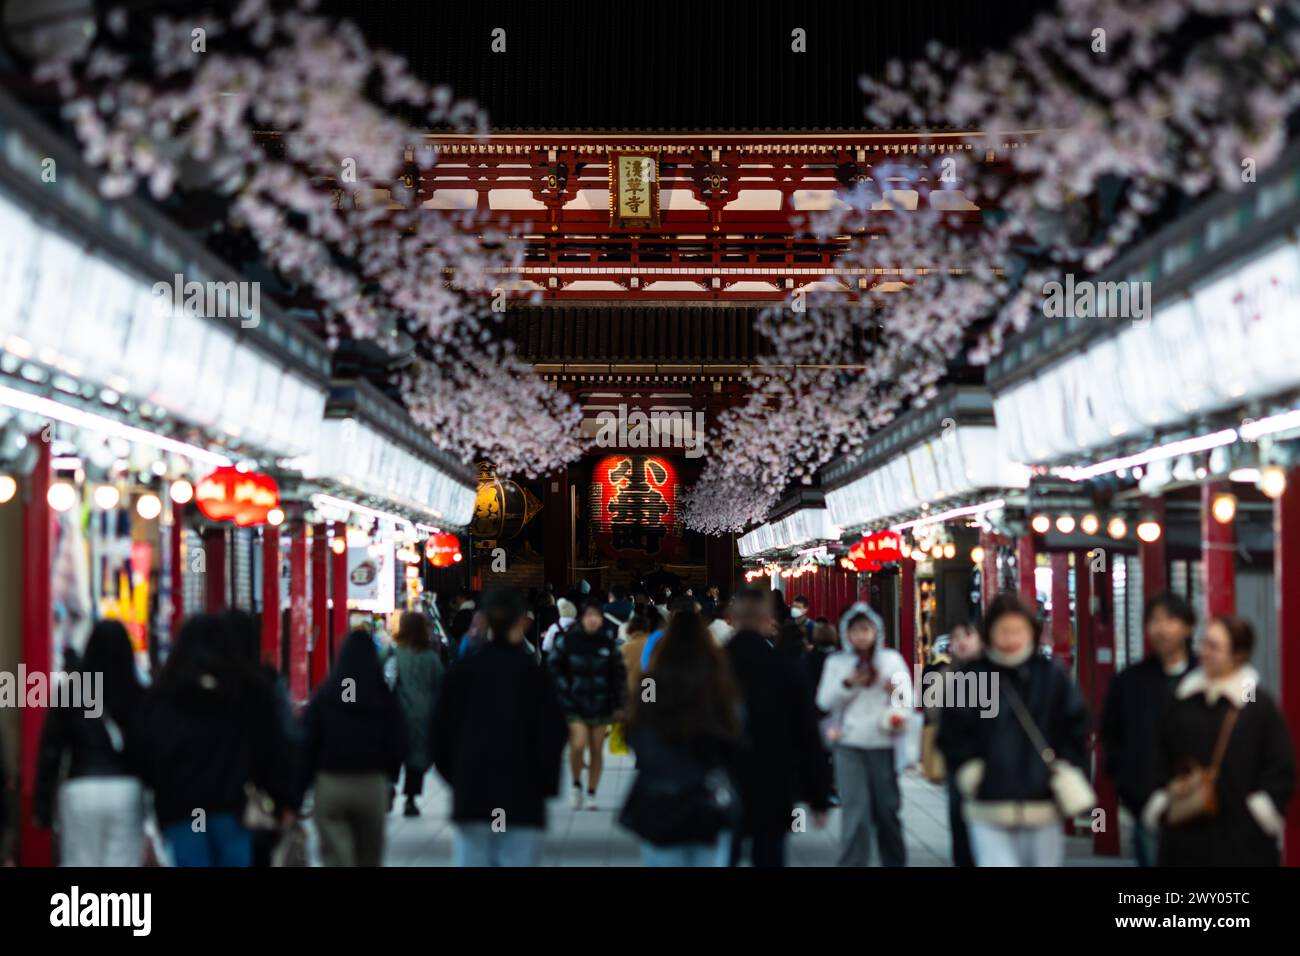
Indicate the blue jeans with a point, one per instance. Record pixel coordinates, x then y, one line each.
225 843
688 854
476 844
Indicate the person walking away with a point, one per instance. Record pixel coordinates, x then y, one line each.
1224 760
419 672
568 614
354 744
638 632
1019 764
825 642
866 690
498 738
592 686
205 748
964 646
100 804
683 803
1136 701
780 760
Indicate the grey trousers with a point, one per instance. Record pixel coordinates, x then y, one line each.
869 801
349 812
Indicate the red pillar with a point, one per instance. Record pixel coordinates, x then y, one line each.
35 844
556 530
1026 559
1286 572
339 582
1062 631
320 624
214 569
271 597
1152 556
719 562
1218 555
178 562
298 613
907 611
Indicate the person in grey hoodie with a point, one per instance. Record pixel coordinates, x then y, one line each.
866 690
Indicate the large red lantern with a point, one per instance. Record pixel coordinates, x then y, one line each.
633 507
442 550
876 549
244 497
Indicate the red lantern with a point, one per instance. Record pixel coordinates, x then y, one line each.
244 497
875 550
442 550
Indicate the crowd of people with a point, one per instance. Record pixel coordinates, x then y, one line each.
748 721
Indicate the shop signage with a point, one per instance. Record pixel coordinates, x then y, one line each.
244 497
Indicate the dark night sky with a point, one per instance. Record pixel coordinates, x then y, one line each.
673 64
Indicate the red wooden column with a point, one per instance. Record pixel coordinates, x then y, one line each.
1152 555
1286 572
719 562
35 847
907 611
271 597
1105 842
1062 630
320 624
1218 555
178 561
1026 559
339 584
298 614
214 569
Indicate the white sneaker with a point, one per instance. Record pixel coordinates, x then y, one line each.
575 798
591 801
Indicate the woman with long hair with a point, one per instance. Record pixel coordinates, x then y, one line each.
1224 758
419 672
100 804
683 804
205 746
354 744
592 684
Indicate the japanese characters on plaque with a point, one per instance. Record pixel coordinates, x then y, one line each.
634 190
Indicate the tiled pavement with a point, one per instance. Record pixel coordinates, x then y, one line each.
593 838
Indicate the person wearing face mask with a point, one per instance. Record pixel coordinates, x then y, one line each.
1017 753
799 614
1224 755
1135 702
866 690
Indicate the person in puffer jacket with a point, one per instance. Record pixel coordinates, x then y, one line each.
1015 791
866 690
592 685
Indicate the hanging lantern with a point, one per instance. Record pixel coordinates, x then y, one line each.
442 550
244 497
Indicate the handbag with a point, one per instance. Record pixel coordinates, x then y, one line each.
1071 791
259 809
1195 793
932 765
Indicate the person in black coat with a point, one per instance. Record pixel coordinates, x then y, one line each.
780 759
591 681
1135 702
354 743
204 746
1220 711
101 803
498 738
1014 800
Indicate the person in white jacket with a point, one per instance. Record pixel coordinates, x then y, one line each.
866 690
